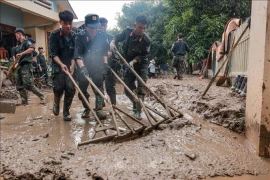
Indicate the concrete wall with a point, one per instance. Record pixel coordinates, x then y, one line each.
30 20
11 16
258 91
41 38
55 9
30 7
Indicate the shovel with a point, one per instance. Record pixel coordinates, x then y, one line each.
223 78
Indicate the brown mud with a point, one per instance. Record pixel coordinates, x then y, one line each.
220 105
37 145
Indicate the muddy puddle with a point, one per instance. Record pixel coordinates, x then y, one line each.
37 145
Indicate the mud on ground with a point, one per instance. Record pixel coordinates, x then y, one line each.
35 145
220 105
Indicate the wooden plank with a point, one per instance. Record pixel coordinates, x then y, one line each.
7 107
1 78
3 67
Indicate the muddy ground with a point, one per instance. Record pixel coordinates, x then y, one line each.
220 106
36 145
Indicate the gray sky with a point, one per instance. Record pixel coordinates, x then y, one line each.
107 9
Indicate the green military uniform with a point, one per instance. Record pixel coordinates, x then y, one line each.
135 48
42 62
179 49
63 47
92 53
24 78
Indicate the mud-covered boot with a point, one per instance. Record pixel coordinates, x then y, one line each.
180 77
86 111
113 99
235 83
56 105
239 83
137 110
24 97
242 85
244 91
37 92
66 107
99 105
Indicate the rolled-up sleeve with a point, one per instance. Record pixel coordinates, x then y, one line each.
78 54
54 45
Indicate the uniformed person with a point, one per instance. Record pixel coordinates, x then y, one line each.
24 78
91 55
112 61
136 46
179 49
42 65
62 46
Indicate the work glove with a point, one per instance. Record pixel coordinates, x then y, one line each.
106 68
83 73
112 47
131 64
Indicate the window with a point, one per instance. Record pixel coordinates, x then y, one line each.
44 3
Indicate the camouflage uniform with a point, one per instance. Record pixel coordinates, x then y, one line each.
24 78
63 47
179 50
135 48
42 62
92 53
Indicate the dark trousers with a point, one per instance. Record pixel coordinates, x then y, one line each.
130 78
97 78
63 84
110 82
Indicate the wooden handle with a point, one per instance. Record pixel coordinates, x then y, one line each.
224 62
84 98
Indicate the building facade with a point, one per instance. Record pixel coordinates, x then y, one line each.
37 17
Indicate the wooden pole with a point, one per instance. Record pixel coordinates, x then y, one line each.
142 81
84 98
108 102
227 58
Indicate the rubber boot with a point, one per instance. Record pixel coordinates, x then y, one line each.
24 97
37 92
137 108
113 99
56 105
238 86
175 73
99 106
66 107
242 85
244 91
86 111
235 83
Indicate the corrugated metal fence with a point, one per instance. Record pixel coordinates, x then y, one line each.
239 61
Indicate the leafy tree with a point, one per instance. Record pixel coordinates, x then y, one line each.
201 21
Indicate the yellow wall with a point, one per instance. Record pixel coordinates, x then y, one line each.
33 20
39 34
41 39
32 32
